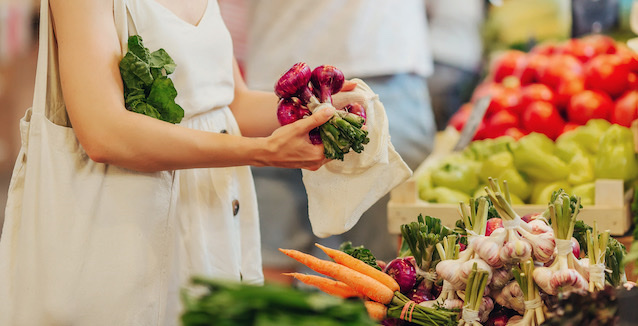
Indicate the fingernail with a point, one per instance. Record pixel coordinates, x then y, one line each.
328 112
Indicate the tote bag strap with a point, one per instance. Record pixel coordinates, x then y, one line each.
48 93
40 91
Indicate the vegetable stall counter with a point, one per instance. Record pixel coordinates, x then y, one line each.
611 210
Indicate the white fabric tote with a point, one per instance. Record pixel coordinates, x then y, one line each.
83 242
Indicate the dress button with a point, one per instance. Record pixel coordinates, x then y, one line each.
223 131
235 207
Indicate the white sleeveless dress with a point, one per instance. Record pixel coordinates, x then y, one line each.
130 266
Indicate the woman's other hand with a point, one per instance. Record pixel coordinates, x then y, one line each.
290 146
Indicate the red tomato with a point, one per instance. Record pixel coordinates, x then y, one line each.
625 109
559 66
507 99
506 63
543 117
607 73
531 68
583 51
482 132
536 92
501 97
632 81
458 119
484 89
546 48
502 120
514 132
569 86
628 56
602 44
589 104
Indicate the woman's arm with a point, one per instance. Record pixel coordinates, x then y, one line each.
255 111
89 54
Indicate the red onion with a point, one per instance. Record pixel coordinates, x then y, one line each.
356 108
315 136
326 80
421 293
294 82
289 110
403 272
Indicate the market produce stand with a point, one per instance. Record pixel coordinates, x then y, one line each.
611 210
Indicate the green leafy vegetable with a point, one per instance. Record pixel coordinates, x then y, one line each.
580 234
223 303
614 257
147 89
421 238
361 253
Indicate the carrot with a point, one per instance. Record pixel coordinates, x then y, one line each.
361 267
326 285
361 283
376 311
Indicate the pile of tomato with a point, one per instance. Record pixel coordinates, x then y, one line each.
555 87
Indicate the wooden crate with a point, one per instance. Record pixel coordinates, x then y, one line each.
611 208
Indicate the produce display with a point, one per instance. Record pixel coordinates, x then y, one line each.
303 91
494 268
535 165
555 87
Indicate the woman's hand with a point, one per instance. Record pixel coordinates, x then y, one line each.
290 146
347 95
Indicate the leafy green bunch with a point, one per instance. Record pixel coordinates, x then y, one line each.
226 303
147 88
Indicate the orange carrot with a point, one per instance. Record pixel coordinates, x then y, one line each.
326 285
376 311
361 283
361 267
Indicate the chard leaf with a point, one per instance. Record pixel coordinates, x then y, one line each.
136 47
161 60
147 89
135 72
162 96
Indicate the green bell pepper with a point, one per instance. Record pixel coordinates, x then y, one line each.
616 158
534 156
444 195
517 184
456 173
584 139
586 192
542 191
480 150
581 169
494 165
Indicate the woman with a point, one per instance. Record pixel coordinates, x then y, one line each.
122 258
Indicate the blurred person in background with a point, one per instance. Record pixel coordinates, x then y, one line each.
385 43
455 32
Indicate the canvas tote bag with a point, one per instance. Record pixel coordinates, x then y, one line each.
84 243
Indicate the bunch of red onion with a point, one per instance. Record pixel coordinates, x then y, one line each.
303 92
